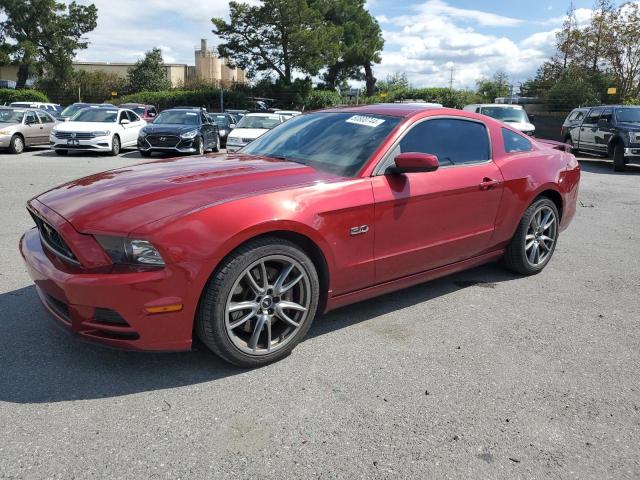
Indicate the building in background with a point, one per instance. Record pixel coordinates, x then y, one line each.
208 68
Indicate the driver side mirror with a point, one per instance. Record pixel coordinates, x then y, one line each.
232 126
414 162
125 121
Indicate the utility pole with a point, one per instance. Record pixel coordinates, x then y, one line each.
221 99
451 78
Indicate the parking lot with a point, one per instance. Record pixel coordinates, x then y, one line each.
483 374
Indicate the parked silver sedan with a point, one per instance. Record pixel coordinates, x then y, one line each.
24 127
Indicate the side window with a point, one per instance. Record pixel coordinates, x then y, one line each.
152 112
122 116
572 116
453 141
30 118
579 115
592 118
203 119
477 109
133 117
44 118
607 115
514 143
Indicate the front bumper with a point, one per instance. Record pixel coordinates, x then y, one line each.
110 308
5 141
182 146
101 144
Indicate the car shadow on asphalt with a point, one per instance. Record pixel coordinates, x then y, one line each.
43 363
604 166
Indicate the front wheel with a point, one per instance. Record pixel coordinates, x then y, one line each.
115 146
259 303
618 158
16 145
534 242
216 147
199 146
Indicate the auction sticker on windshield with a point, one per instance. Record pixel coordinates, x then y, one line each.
365 121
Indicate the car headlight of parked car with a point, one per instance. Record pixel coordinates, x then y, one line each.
222 132
190 134
5 132
129 251
102 133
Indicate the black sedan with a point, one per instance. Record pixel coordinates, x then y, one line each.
179 130
226 123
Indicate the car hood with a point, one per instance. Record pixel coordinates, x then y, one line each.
7 126
85 126
123 200
247 132
522 126
168 129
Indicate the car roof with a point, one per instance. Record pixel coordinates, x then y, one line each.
390 109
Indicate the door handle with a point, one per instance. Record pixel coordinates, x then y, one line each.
488 183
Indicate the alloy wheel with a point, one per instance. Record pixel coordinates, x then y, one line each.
541 236
201 147
18 144
268 304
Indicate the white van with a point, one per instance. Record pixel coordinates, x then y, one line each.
514 115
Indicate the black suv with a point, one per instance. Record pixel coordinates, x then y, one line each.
179 130
612 130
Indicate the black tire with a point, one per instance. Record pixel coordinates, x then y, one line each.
199 144
216 146
618 158
116 146
569 141
145 154
61 152
210 318
16 144
515 258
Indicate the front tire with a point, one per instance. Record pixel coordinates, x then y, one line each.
199 146
259 303
618 158
16 145
116 146
534 242
216 147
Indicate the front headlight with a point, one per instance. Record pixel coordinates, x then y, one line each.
101 133
129 251
190 134
222 132
5 132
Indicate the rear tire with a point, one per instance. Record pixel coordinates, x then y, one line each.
61 152
618 158
16 145
115 146
534 242
239 281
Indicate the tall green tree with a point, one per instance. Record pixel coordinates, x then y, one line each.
149 74
360 43
39 35
491 88
278 36
622 52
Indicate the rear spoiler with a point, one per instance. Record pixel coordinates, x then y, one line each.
563 147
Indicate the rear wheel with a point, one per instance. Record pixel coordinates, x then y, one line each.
16 145
115 146
534 242
259 303
618 158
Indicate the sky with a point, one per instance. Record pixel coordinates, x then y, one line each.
425 39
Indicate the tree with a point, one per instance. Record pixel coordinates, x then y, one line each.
39 35
149 73
497 86
396 82
360 44
622 52
598 33
568 37
91 86
278 36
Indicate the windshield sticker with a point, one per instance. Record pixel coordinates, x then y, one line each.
365 121
190 113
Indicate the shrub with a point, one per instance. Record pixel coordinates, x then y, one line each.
322 99
8 95
204 97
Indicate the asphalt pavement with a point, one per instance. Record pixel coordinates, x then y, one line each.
483 374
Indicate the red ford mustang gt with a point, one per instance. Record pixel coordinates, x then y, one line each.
329 208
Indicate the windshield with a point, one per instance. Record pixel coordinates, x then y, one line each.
177 117
339 143
20 104
71 110
139 110
506 114
253 121
631 115
11 116
96 115
222 121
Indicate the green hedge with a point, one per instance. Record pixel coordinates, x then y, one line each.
209 98
8 95
322 99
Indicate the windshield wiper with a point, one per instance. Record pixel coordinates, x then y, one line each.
284 158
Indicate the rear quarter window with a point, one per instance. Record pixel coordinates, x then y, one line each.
514 143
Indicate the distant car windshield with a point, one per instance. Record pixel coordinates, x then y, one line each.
177 117
339 143
96 115
8 115
20 104
256 121
221 120
139 110
631 115
506 114
71 110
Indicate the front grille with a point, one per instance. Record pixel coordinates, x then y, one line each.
75 135
53 240
109 317
166 141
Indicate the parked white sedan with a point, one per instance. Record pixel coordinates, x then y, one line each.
99 129
250 127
